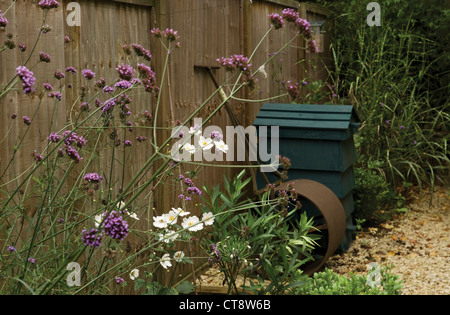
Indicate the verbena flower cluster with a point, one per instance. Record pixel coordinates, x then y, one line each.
44 57
88 74
48 4
191 188
115 226
71 139
93 178
26 120
240 63
3 20
27 78
139 50
304 27
92 237
169 33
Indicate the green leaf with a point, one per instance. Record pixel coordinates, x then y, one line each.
185 287
139 283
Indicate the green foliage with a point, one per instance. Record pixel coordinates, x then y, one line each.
331 283
261 240
371 193
397 77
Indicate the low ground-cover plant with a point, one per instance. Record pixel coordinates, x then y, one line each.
328 282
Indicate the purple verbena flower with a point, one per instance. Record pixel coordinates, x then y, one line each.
115 226
123 85
47 86
38 157
48 4
304 27
55 94
59 75
22 47
46 28
108 105
142 52
26 120
141 138
44 57
27 78
119 280
54 137
11 249
194 190
312 46
88 74
3 20
71 70
107 89
92 237
127 143
276 20
126 72
171 35
216 135
290 15
93 178
73 154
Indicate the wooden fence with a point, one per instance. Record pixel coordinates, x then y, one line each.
208 29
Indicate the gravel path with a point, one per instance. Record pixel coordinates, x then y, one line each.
416 244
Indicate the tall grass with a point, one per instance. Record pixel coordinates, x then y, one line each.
393 76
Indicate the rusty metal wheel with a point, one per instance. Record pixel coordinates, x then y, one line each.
332 212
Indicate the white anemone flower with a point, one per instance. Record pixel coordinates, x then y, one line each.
189 148
133 215
208 218
165 261
192 224
134 274
221 146
168 236
180 212
160 222
205 143
178 256
120 205
195 130
171 217
98 219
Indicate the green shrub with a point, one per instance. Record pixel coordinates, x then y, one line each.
371 193
330 283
